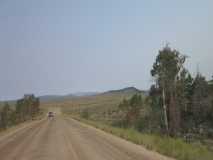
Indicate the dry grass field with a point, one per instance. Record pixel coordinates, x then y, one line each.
97 106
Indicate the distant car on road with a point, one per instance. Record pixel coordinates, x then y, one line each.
50 115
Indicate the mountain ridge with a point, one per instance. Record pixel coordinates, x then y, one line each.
55 97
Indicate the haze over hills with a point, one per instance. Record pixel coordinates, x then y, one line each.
47 98
124 90
127 90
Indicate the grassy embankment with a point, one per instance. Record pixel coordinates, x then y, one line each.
171 147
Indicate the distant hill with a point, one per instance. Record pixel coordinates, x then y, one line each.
124 91
128 90
99 105
55 98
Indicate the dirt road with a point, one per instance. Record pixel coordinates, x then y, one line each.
66 139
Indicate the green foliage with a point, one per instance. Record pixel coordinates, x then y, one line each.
184 91
131 109
167 69
201 101
5 116
187 102
167 66
155 117
25 109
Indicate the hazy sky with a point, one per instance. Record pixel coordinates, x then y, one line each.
64 46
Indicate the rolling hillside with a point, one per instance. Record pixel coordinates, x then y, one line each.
97 105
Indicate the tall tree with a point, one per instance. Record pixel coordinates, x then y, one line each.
5 116
27 107
184 91
166 70
200 100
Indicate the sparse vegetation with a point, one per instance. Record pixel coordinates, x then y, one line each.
25 109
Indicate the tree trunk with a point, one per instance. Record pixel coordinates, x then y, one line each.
165 111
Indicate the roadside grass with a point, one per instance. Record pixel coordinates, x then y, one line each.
172 147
